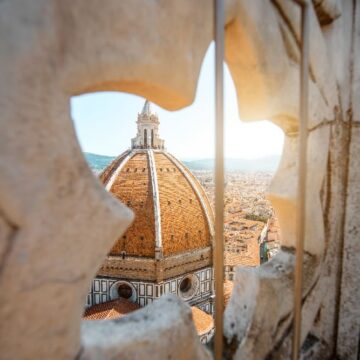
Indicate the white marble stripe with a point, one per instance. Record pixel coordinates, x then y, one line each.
156 200
191 181
110 183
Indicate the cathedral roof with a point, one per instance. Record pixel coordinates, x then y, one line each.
173 227
172 212
203 322
110 310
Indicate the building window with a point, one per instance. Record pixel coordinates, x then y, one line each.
188 286
145 137
185 285
125 291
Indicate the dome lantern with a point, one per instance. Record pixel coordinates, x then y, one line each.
147 136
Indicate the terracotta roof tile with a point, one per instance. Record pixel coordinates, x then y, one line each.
184 226
183 221
120 307
110 309
228 288
203 321
133 187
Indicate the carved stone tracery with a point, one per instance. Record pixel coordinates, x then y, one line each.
52 209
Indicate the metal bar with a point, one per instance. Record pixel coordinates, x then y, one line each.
303 137
219 23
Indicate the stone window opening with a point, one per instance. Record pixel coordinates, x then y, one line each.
185 285
188 286
125 291
145 138
264 61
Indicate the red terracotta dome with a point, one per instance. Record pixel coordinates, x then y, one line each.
172 212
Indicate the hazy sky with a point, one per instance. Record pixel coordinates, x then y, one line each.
105 123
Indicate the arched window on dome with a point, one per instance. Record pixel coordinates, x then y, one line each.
145 138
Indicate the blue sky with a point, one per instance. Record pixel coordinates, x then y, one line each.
105 123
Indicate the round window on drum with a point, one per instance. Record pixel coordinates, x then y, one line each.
124 290
188 286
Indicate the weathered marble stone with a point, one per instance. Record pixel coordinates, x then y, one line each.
283 191
349 312
166 331
257 326
57 222
327 10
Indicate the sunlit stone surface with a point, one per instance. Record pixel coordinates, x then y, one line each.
57 223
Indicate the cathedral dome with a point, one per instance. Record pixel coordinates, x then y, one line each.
172 212
173 217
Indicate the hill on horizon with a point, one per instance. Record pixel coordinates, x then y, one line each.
97 162
269 163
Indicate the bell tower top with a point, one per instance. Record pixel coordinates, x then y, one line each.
147 136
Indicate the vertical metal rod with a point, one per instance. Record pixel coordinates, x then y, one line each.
219 22
303 137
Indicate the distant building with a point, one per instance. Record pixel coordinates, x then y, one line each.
244 249
270 244
168 248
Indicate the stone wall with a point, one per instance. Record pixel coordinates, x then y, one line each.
57 223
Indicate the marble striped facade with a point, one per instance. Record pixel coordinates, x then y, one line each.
102 289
